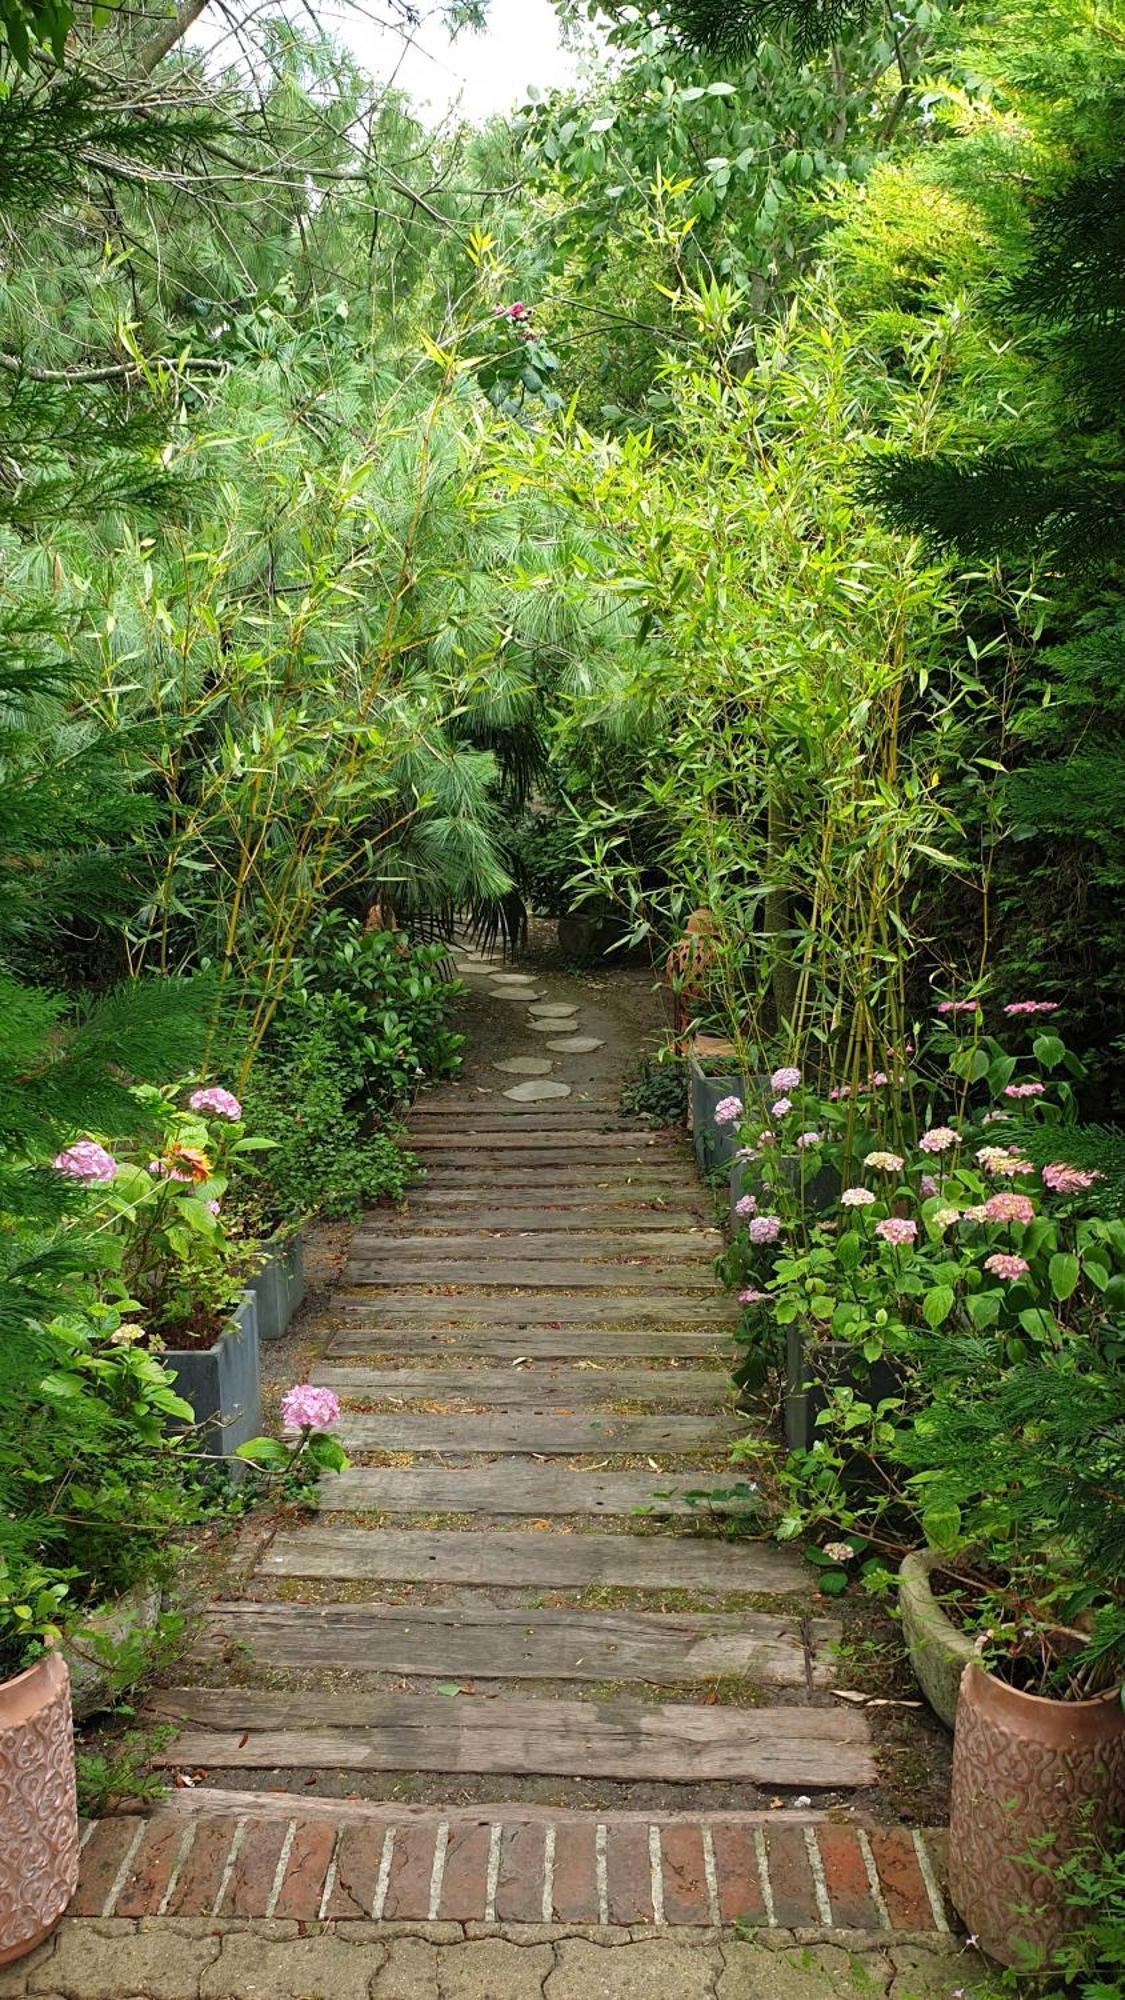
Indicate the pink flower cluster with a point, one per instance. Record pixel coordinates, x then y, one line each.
779 1110
857 1197
765 1228
897 1230
728 1111
807 1139
304 1408
1002 1160
222 1103
746 1205
1024 1089
517 312
938 1139
1008 1208
958 1006
1005 1266
752 1297
888 1163
1062 1179
86 1161
1017 1007
785 1079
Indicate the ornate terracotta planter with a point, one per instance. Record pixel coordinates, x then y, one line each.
1026 1771
38 1807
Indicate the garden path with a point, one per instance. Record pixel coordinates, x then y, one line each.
511 1592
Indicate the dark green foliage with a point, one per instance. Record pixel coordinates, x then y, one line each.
731 27
1094 1148
657 1089
383 1002
325 1159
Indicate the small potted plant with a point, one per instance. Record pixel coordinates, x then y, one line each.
38 1800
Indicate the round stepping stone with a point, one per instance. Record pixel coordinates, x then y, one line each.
550 1027
514 978
553 1010
536 1089
507 993
577 1045
525 1066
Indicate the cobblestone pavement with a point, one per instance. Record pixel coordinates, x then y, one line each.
200 1958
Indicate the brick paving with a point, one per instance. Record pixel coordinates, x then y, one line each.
624 1872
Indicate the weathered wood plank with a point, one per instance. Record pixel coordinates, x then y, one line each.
438 1307
204 1802
524 1344
545 1139
626 1274
596 1244
235 1729
556 1561
535 1388
648 1179
524 1433
490 1643
613 1219
515 1489
490 1113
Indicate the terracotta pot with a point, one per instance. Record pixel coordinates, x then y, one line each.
38 1807
1031 1778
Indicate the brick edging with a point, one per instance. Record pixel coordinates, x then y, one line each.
509 1869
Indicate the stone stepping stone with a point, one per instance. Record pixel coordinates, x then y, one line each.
525 1066
510 993
513 979
553 1010
536 1090
577 1045
548 1027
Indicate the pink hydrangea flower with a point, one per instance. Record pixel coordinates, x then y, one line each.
1017 1007
1001 1160
214 1206
943 1218
765 1228
85 1161
897 1230
779 1109
728 1111
1024 1089
887 1163
958 1006
752 1297
839 1093
304 1408
1062 1179
1008 1207
1005 1266
807 1139
938 1139
746 1205
222 1103
857 1197
929 1186
785 1079
746 1153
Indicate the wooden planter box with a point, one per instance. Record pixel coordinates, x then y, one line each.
279 1286
223 1384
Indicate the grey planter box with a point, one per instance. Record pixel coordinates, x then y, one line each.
223 1384
821 1191
716 1145
279 1286
838 1365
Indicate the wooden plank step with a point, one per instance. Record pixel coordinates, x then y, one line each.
232 1728
515 1488
529 1388
488 1643
614 1219
625 1275
530 1560
436 1308
667 1145
597 1244
527 1433
455 1343
489 1113
647 1180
